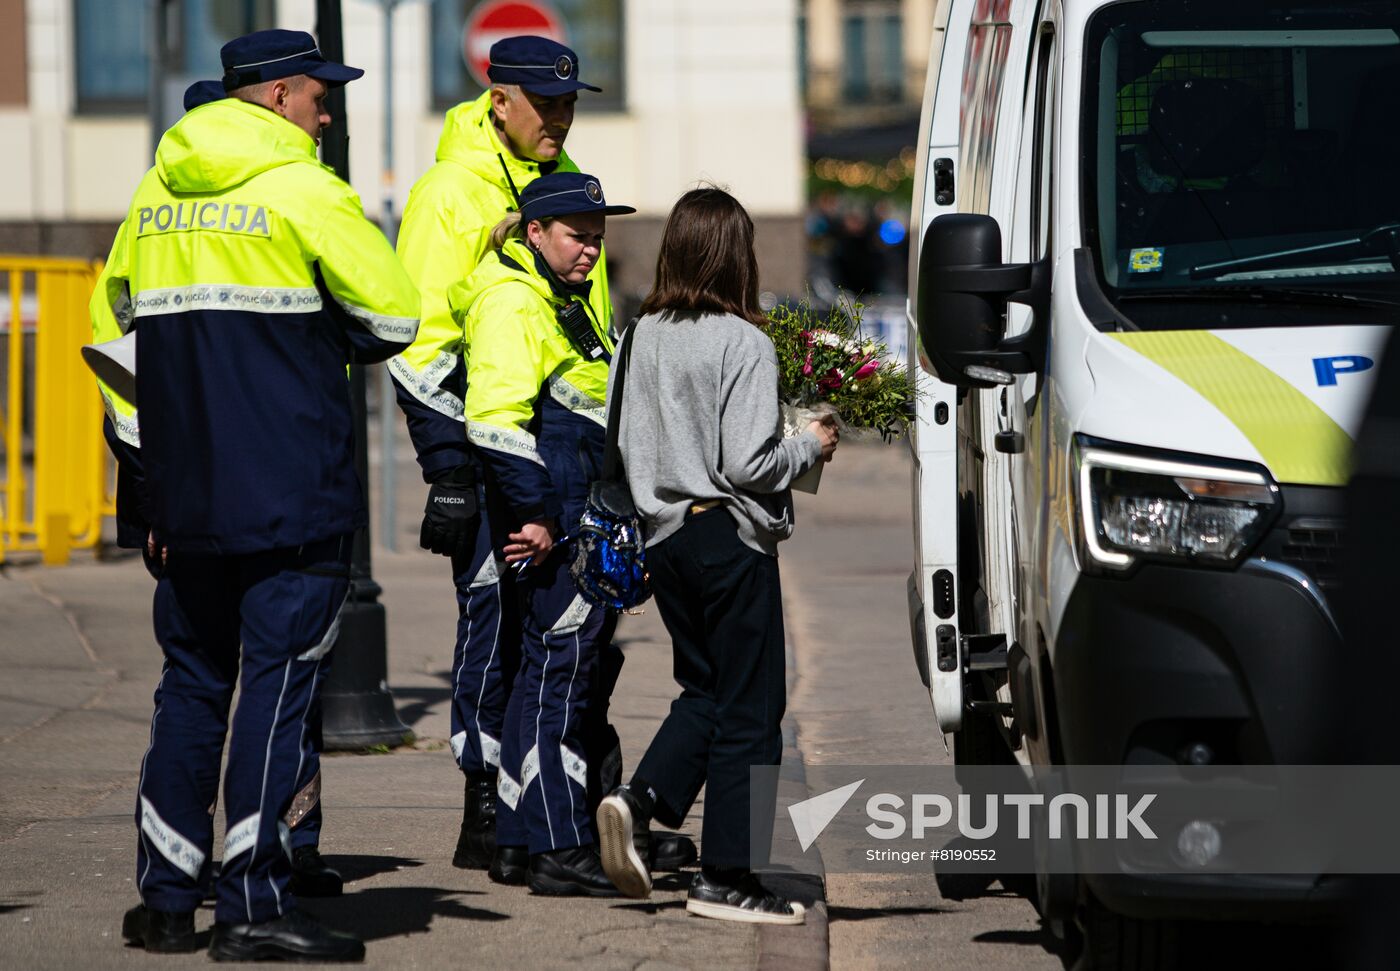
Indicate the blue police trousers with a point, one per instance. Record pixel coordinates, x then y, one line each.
543 780
282 607
304 815
486 655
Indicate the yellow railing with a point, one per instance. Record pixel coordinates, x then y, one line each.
55 480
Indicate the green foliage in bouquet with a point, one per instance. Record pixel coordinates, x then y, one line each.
826 359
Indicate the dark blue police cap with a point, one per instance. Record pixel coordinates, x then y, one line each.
203 92
267 55
564 194
538 64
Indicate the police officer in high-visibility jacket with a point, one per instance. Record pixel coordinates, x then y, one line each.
490 150
311 875
252 279
537 370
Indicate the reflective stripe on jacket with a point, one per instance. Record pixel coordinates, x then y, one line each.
253 278
446 231
534 405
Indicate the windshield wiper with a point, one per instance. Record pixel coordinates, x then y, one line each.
1262 294
1384 241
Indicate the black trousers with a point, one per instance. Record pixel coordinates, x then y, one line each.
722 605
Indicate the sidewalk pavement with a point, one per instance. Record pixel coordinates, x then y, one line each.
75 708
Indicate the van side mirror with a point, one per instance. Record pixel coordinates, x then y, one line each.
963 291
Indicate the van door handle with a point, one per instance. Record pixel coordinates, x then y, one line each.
943 183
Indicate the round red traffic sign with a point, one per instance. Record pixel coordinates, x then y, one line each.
494 20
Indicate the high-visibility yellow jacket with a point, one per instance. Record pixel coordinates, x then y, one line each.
534 405
120 428
446 230
252 278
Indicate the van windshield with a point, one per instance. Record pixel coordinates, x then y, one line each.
1242 161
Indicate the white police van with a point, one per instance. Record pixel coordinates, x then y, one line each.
1156 259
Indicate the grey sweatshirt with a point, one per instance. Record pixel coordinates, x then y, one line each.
700 422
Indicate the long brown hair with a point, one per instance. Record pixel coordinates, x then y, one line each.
706 263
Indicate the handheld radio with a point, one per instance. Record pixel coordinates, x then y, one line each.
579 329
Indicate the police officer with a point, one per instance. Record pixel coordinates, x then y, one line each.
537 369
252 278
311 875
491 149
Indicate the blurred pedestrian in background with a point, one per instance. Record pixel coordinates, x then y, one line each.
709 471
537 369
252 279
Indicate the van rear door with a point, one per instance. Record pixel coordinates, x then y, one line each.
933 587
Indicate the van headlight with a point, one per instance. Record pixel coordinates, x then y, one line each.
1135 506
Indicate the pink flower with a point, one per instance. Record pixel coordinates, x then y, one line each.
866 370
807 367
806 336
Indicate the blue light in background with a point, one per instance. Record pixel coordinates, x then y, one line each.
891 232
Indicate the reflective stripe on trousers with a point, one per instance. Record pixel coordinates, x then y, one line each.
543 744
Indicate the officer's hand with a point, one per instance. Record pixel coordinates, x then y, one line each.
450 519
155 555
533 542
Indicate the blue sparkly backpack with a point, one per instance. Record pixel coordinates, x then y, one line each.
610 561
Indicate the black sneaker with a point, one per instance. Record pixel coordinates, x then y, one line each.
742 899
161 931
574 872
622 824
312 876
291 937
510 865
476 843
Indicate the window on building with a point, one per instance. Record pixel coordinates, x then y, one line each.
112 45
855 79
872 64
593 28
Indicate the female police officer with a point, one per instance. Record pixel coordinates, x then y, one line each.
536 377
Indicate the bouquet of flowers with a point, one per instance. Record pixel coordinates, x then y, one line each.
827 365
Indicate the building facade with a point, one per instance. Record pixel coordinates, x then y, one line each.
693 92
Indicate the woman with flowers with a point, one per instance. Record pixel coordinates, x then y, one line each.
709 470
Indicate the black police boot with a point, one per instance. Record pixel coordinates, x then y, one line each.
312 877
575 872
624 842
161 931
510 865
476 843
291 937
672 851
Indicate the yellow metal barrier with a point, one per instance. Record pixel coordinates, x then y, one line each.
55 481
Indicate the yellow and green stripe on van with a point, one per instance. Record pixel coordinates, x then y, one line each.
1298 441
